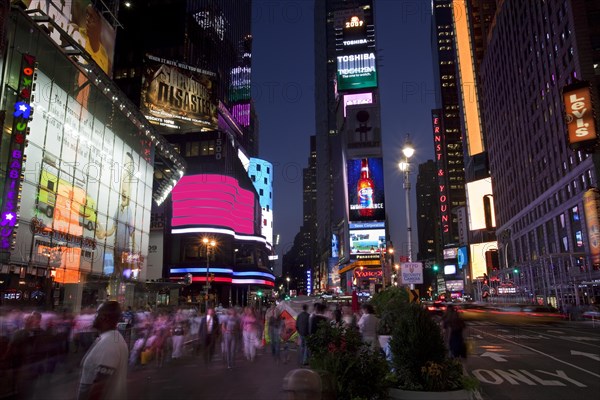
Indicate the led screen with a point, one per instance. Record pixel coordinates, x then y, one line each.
455 286
365 189
365 241
356 71
476 192
357 99
178 96
449 269
478 261
463 257
86 199
213 200
85 24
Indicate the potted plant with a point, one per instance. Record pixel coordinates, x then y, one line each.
346 363
389 305
421 368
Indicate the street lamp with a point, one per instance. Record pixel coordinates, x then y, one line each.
208 243
288 285
408 150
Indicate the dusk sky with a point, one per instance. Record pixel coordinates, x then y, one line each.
283 91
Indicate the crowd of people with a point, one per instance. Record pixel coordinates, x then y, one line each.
103 344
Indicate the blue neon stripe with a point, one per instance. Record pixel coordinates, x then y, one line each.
186 270
265 274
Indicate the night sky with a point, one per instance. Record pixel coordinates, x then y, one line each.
283 91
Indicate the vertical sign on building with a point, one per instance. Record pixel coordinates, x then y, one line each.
16 149
442 189
579 116
591 202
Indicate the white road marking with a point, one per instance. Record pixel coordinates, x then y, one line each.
581 353
547 355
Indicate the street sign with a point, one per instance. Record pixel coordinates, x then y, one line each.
411 273
413 295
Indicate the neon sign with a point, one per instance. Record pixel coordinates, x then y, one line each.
12 185
441 173
368 273
355 22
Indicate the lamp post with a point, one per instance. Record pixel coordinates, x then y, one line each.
408 150
209 243
288 285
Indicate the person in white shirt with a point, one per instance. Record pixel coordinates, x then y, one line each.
367 325
104 367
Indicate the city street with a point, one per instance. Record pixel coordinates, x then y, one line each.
560 361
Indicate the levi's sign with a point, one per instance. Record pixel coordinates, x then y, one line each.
581 126
411 273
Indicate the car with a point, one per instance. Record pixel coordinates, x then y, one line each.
592 312
435 308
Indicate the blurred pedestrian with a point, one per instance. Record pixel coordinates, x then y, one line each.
302 327
367 325
317 318
250 333
26 354
349 317
454 327
275 329
231 330
209 332
104 367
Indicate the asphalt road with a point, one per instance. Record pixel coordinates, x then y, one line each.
559 361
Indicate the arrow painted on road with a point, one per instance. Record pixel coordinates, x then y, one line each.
581 353
494 356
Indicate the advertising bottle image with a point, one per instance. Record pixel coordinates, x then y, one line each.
365 188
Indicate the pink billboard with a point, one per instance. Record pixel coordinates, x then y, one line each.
214 200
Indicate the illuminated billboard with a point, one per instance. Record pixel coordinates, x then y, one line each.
87 191
356 71
365 189
468 86
357 99
478 259
84 23
213 200
579 108
367 241
480 202
178 96
463 257
591 204
362 127
239 89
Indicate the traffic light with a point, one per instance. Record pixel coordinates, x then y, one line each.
516 270
259 293
435 268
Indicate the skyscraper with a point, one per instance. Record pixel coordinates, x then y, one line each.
540 183
348 138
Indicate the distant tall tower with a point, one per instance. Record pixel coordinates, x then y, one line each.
446 122
428 221
348 132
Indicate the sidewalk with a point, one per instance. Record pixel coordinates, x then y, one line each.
189 378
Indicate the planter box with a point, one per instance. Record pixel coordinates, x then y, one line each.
399 394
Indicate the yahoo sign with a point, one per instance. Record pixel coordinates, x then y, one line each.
12 185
